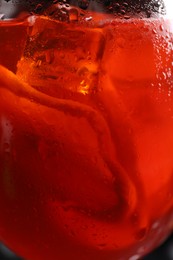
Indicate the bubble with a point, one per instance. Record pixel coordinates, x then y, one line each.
117 5
161 27
59 12
49 56
38 63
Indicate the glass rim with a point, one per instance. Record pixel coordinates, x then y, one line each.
26 19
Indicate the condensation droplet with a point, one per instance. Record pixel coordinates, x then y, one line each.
122 11
164 75
38 8
121 42
49 56
38 63
87 19
83 4
126 17
161 27
125 4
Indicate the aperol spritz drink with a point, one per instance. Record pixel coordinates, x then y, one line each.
86 123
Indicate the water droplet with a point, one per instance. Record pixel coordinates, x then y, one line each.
154 31
122 11
164 75
87 19
125 4
83 4
126 17
49 56
110 8
38 8
38 63
161 27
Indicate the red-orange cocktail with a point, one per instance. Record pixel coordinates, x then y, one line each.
86 169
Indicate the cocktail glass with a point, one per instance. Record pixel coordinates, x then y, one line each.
86 123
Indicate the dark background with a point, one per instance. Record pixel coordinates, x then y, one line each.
164 252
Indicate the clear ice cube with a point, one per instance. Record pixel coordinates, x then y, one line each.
62 55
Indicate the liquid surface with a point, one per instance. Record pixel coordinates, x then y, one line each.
86 140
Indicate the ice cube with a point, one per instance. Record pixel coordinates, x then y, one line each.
60 54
